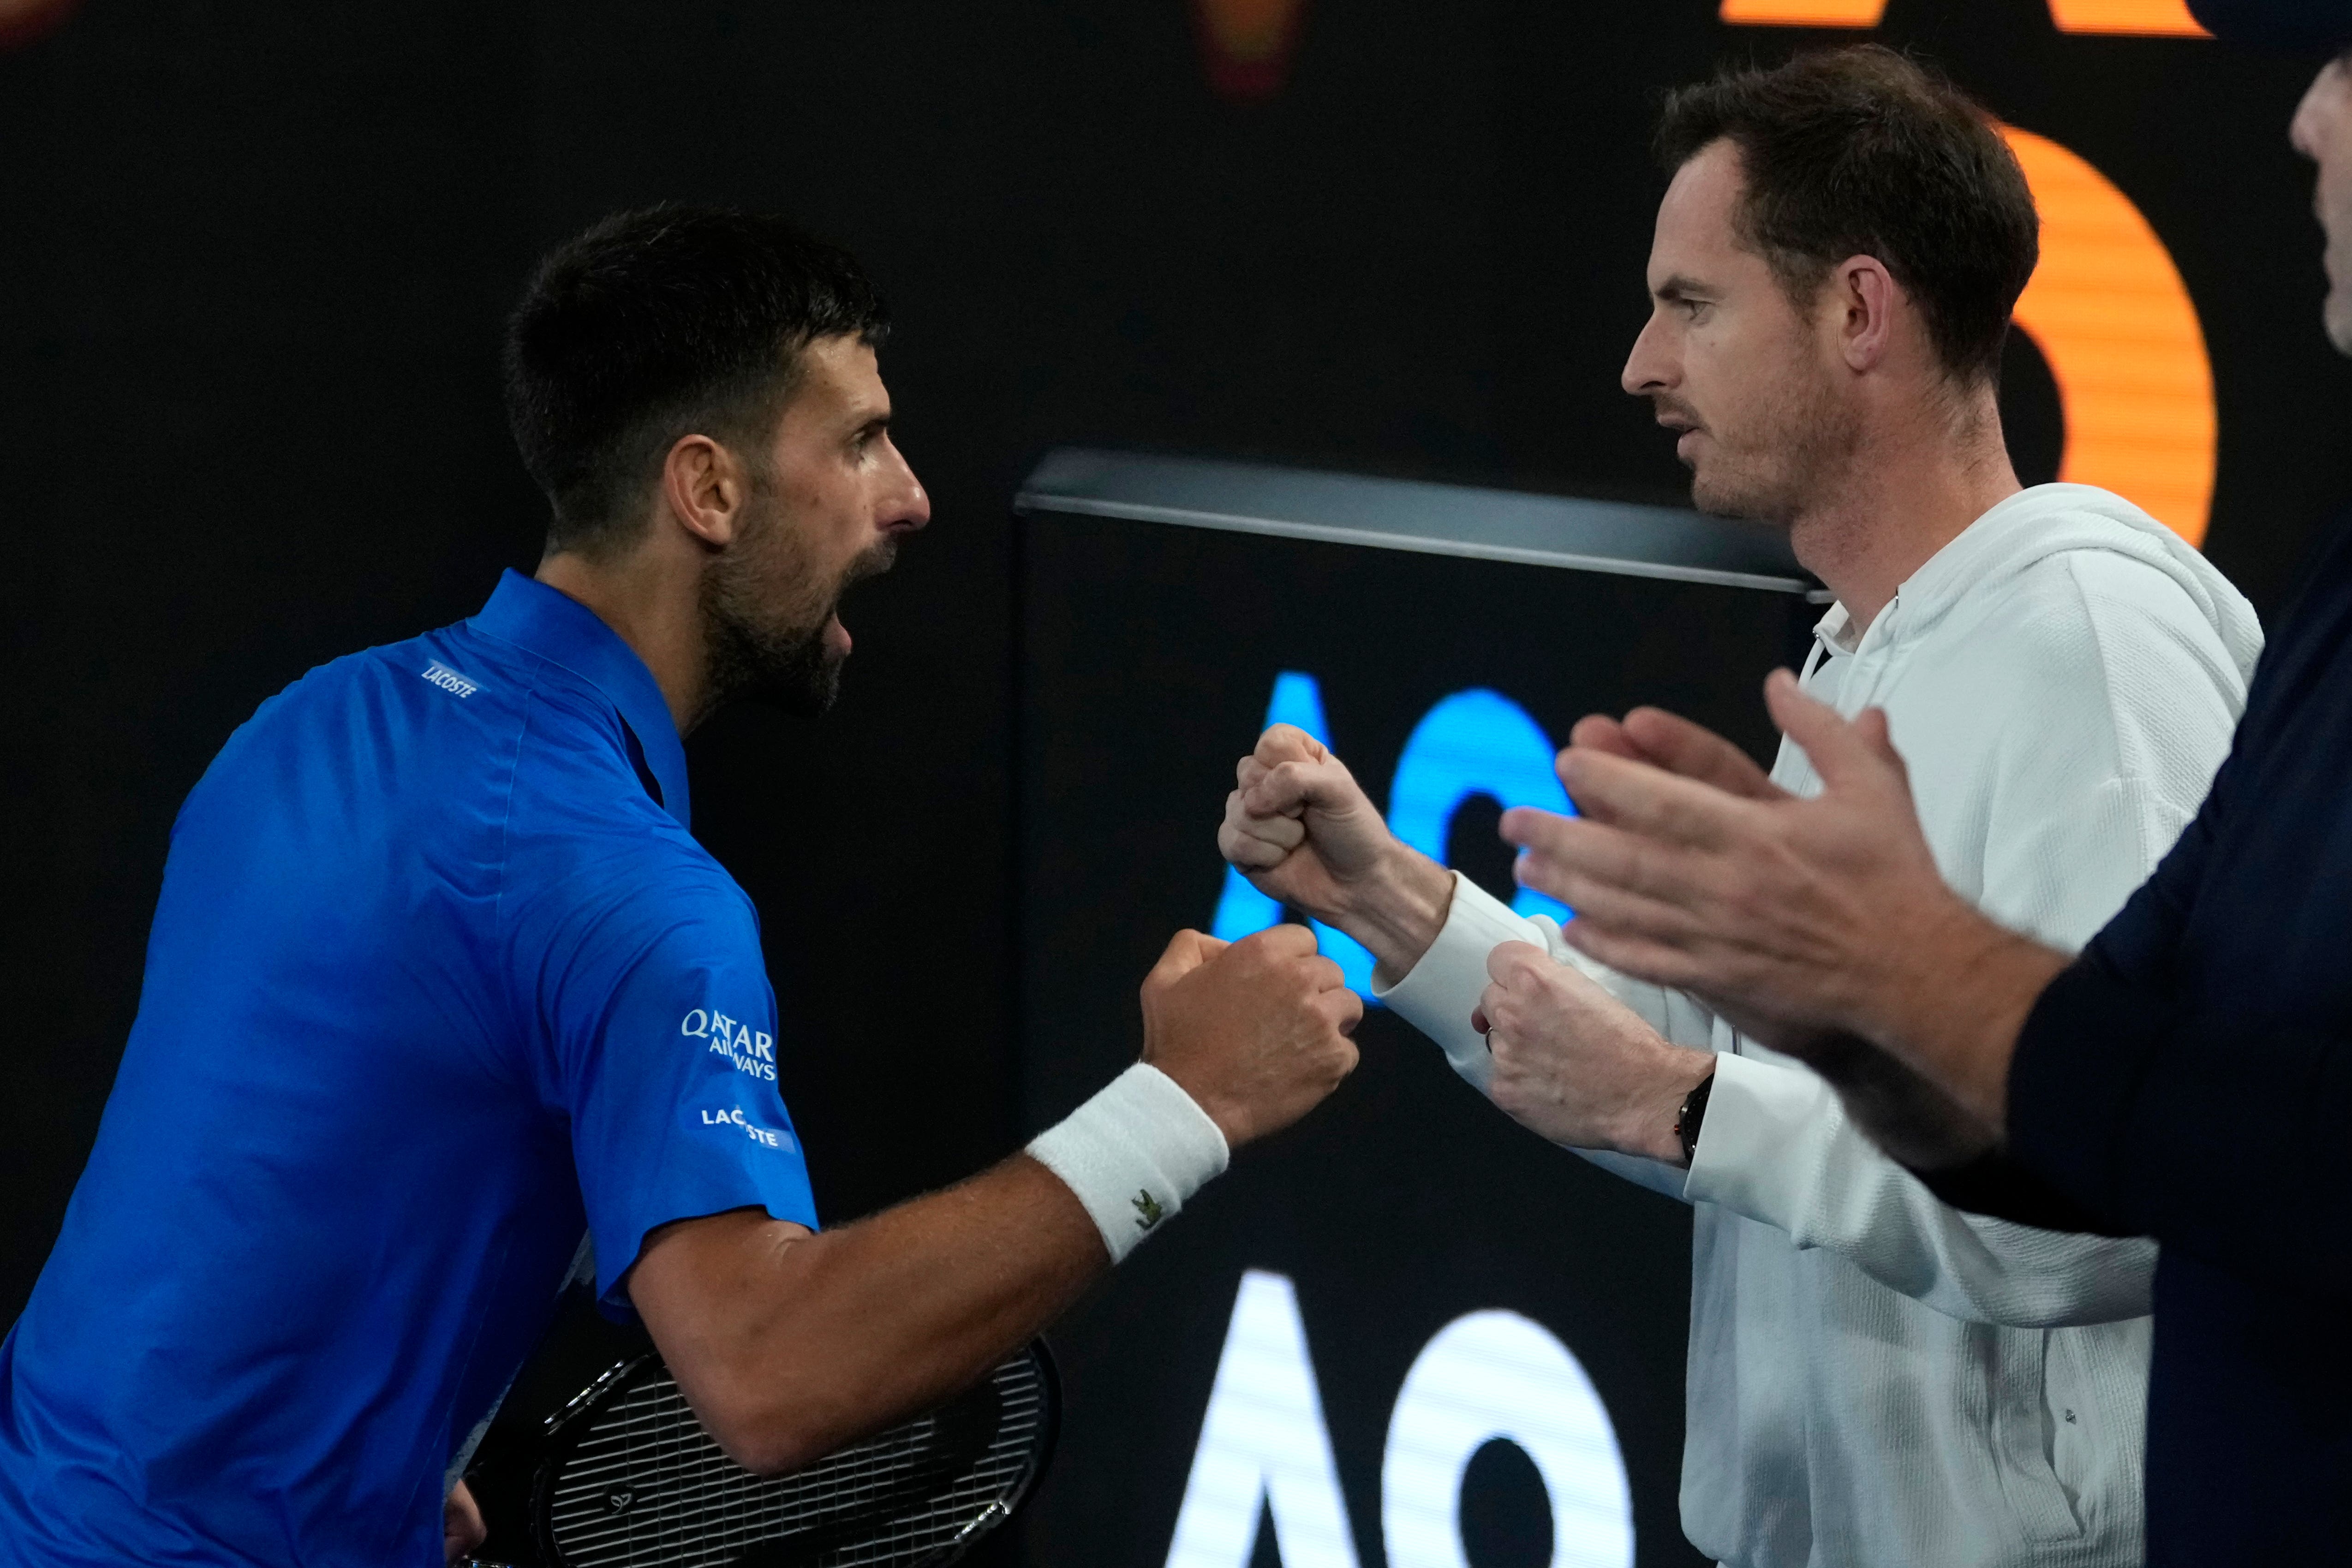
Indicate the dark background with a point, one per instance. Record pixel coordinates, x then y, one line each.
1406 1200
253 258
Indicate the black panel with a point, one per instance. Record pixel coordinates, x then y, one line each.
1149 652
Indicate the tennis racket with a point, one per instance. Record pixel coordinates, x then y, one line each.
628 1478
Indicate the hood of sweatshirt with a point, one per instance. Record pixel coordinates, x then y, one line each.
2028 529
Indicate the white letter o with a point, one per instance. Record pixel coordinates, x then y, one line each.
1497 1375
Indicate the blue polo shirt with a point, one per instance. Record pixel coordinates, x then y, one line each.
438 981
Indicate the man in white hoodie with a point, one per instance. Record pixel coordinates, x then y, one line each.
1875 1378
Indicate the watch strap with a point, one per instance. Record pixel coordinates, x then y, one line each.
1694 1111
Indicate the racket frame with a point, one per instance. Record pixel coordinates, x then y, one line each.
623 1375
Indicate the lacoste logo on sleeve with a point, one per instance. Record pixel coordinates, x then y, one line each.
449 680
750 1127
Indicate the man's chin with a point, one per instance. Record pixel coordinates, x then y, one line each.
1745 504
801 677
809 695
1716 501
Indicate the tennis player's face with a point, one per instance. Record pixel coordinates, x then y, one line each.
1731 366
830 509
2322 132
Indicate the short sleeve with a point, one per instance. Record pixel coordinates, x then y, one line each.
665 1047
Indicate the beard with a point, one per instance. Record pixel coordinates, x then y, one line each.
764 619
1769 472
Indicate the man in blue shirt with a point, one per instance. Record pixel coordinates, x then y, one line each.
440 982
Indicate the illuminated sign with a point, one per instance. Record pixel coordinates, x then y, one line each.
1264 1447
2115 323
2146 18
1475 742
1266 1452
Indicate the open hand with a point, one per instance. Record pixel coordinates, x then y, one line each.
1673 744
1810 918
1779 905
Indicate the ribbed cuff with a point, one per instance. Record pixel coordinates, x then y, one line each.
1133 1154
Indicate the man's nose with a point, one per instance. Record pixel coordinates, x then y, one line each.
1646 367
910 505
2307 132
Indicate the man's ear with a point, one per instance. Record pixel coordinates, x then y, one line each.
1864 295
706 490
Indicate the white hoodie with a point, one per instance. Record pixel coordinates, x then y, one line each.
1876 1379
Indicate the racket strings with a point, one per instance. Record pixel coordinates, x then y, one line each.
646 1485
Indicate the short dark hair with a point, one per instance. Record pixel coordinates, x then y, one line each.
657 324
1861 152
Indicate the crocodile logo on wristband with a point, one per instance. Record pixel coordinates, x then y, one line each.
1148 1208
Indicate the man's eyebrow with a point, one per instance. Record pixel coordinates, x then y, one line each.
1681 285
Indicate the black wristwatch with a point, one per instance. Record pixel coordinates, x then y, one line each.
1694 1111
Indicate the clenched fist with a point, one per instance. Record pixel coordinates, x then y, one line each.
1577 1065
1303 830
1255 1032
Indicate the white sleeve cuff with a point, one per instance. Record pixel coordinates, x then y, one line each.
1439 993
1756 1146
1660 1177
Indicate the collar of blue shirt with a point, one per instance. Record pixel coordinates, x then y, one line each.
563 631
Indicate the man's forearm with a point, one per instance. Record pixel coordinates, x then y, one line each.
1952 1000
823 1338
1397 911
1914 1120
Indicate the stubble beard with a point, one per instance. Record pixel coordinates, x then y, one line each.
1771 474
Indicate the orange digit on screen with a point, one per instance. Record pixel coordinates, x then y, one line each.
1804 13
2116 327
2150 18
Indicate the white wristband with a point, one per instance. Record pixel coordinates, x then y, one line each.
1133 1154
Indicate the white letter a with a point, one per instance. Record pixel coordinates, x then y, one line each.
1263 1441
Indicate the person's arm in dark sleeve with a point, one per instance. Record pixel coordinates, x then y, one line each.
1957 1157
1994 1184
2219 1139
